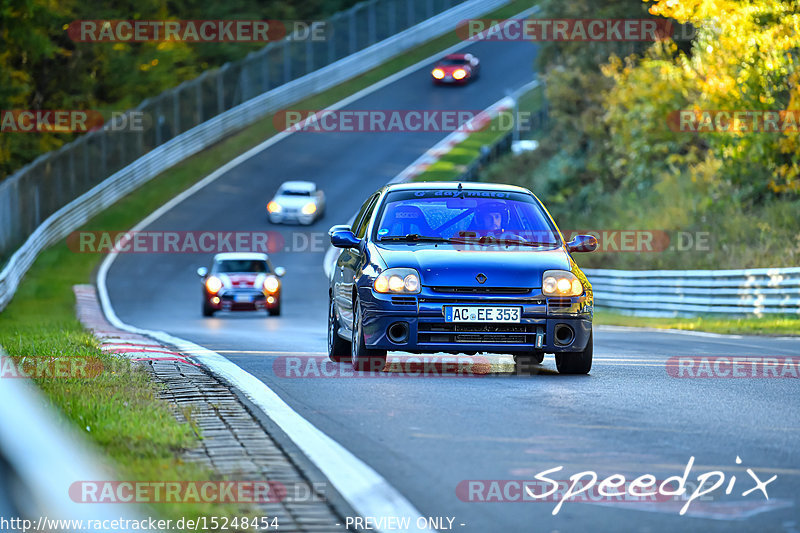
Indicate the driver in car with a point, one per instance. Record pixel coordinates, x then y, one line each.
490 218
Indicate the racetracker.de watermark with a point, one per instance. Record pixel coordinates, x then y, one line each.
49 121
381 120
411 367
215 241
197 31
150 492
734 121
50 367
183 242
734 367
550 30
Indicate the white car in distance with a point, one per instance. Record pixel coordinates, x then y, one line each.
296 201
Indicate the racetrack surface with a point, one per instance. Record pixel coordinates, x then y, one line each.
425 435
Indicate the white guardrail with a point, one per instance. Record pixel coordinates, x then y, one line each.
41 456
80 210
757 291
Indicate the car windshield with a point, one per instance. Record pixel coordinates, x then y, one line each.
242 265
472 216
448 62
290 192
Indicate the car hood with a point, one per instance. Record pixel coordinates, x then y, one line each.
294 201
445 266
242 280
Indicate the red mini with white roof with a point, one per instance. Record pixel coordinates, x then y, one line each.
241 281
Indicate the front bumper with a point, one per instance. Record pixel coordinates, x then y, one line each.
422 316
449 80
243 300
291 216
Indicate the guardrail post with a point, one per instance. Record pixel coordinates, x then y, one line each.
372 36
198 102
73 188
265 68
391 17
103 153
176 112
352 32
287 61
220 90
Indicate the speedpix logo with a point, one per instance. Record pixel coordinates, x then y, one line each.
587 486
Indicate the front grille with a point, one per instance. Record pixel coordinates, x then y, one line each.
404 300
446 332
482 290
558 304
481 301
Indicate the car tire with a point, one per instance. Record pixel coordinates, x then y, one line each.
208 310
338 348
576 362
363 358
525 361
274 311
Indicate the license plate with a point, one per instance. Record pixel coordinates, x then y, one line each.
242 298
458 313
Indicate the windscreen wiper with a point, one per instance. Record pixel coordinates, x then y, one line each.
488 240
413 237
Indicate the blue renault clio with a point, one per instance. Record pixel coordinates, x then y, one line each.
458 268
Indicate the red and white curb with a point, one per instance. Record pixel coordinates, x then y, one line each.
116 341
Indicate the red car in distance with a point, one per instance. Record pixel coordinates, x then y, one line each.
456 69
241 282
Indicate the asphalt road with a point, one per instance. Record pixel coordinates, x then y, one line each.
427 435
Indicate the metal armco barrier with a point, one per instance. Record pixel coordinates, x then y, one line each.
18 203
757 291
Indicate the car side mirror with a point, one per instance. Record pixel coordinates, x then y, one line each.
582 243
202 272
342 237
280 271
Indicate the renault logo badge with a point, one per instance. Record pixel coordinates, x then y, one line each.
481 278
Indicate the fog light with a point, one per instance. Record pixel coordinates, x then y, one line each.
215 300
270 299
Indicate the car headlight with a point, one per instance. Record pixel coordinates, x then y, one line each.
437 73
274 207
213 284
397 281
309 209
460 74
561 283
271 284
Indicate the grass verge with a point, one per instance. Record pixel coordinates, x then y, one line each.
119 410
768 325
